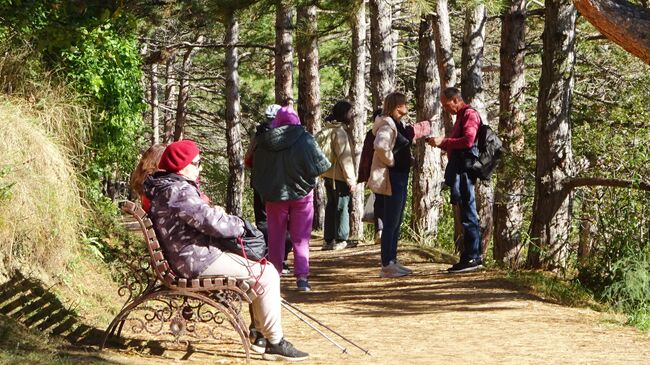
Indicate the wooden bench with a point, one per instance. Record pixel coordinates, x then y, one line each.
160 303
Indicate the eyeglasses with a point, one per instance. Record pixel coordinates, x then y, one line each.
196 163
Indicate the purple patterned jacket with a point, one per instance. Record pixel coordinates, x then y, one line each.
188 229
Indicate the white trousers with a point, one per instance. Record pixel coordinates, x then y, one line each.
266 282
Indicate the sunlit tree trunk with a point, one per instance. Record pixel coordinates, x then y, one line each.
551 221
472 91
508 210
309 89
382 69
447 73
171 93
358 100
624 23
153 101
233 120
427 173
184 90
283 51
444 55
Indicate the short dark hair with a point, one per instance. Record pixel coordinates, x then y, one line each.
452 92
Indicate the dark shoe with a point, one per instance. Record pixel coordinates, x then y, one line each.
466 266
327 246
286 270
259 343
284 350
303 285
352 244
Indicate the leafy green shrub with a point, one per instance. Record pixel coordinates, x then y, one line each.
630 288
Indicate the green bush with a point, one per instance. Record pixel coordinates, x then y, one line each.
629 290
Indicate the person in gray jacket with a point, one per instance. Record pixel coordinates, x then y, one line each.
190 230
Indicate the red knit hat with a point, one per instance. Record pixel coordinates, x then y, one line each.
178 155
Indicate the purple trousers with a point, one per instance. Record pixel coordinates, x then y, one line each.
297 217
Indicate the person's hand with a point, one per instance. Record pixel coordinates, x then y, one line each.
353 188
435 141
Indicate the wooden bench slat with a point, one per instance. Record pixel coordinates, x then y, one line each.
158 256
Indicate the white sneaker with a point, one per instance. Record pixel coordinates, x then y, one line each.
402 267
339 245
391 271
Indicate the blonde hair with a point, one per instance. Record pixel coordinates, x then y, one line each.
392 101
147 165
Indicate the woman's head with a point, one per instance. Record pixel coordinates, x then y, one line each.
147 165
395 105
341 112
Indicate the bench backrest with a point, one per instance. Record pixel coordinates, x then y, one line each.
161 267
158 262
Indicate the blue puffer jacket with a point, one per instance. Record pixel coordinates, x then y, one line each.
187 228
286 163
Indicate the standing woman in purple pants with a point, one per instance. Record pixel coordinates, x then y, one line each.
285 166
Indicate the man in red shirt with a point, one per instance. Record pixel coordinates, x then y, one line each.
460 146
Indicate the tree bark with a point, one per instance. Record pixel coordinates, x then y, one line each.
382 70
155 109
233 120
444 55
508 210
427 172
184 91
472 91
358 100
283 51
309 90
624 23
551 220
171 94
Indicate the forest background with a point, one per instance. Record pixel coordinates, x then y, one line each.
87 85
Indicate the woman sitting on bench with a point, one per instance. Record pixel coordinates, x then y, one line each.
189 231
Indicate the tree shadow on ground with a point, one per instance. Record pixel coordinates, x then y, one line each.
351 277
31 306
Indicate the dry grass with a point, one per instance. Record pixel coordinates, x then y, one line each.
39 222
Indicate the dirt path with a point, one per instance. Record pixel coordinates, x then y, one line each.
433 318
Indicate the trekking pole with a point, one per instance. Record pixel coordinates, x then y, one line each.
343 349
287 304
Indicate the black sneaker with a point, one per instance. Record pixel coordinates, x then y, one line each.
259 343
284 350
466 266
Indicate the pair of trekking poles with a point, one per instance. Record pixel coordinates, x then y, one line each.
297 311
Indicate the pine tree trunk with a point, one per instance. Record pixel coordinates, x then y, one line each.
283 51
382 70
309 90
155 108
551 221
171 90
233 120
472 91
444 56
358 100
427 173
623 22
184 91
508 210
447 73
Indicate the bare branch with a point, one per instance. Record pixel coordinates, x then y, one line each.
616 183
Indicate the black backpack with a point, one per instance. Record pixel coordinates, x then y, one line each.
365 162
490 151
